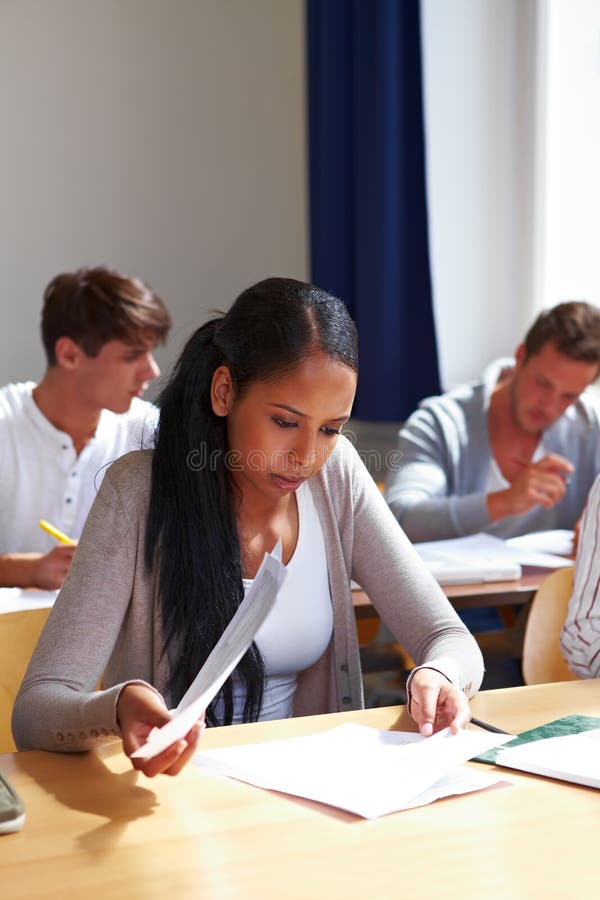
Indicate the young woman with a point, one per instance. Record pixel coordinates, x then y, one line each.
248 451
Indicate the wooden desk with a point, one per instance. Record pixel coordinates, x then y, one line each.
496 593
472 596
504 595
19 632
96 828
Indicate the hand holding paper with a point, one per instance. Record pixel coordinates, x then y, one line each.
224 657
436 703
141 710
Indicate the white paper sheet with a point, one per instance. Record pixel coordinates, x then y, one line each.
20 599
557 541
224 657
360 769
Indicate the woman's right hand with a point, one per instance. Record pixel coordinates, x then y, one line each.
139 710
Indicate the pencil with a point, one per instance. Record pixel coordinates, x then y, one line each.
487 726
59 535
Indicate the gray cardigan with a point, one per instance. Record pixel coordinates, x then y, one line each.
106 620
438 488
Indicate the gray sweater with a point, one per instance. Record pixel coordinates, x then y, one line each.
105 623
438 488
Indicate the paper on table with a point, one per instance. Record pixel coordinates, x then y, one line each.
224 657
482 557
20 599
360 769
556 541
573 757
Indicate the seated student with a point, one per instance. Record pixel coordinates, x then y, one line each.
580 638
248 451
99 330
513 453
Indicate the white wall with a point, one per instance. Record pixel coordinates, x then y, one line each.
163 137
571 175
479 73
168 138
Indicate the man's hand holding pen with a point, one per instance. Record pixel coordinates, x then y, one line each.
50 569
542 483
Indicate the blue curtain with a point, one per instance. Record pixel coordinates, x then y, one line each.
368 215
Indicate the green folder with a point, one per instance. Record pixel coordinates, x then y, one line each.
567 725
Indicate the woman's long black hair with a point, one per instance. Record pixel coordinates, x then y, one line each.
191 532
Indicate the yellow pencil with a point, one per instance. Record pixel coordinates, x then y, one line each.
59 535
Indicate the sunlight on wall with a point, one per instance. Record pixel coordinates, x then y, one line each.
571 184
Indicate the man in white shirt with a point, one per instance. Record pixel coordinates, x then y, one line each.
99 331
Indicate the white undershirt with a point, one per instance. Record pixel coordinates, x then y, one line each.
299 627
496 480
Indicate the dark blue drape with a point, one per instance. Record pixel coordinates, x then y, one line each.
368 214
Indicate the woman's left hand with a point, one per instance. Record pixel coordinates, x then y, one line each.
435 703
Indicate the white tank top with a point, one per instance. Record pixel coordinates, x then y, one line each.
298 629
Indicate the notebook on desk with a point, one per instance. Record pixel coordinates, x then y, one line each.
476 572
481 558
469 560
563 727
567 749
573 757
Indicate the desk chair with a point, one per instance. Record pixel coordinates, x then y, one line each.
542 660
19 632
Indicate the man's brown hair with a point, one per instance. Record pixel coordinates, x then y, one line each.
574 329
95 305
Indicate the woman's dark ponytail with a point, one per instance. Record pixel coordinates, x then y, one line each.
191 535
191 529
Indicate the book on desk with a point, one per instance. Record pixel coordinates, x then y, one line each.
574 758
567 749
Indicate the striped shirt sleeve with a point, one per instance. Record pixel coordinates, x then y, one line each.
580 638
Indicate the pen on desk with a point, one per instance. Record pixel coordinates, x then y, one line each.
59 535
487 726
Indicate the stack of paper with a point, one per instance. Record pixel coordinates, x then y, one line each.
360 769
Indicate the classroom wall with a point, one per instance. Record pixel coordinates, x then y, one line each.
163 137
168 138
479 96
571 132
